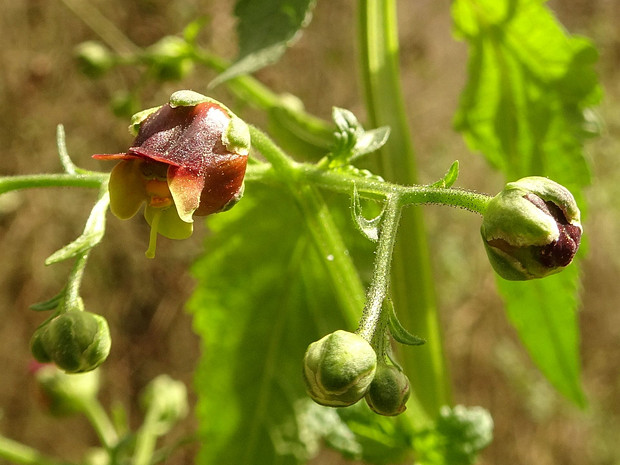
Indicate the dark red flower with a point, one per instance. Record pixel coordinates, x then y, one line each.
189 158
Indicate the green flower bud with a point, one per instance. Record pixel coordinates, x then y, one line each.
389 391
170 59
531 229
66 394
94 59
75 341
166 398
338 369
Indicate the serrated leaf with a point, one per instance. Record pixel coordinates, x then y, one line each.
261 298
544 313
526 107
92 235
450 177
265 30
530 85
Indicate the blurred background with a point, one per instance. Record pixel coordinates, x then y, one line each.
40 87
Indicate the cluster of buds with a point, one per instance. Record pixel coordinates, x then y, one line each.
342 368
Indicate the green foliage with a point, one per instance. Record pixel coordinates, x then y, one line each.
265 29
457 437
525 107
258 304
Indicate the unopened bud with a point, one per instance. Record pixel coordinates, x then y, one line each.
531 229
168 399
389 391
94 59
75 341
339 368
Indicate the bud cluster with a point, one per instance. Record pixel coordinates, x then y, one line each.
342 368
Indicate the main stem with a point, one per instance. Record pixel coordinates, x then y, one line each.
412 282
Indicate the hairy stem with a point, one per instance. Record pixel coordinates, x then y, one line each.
412 281
91 180
380 284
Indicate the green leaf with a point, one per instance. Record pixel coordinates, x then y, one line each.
544 313
450 177
265 29
529 88
369 228
383 440
261 298
352 141
527 107
50 304
398 331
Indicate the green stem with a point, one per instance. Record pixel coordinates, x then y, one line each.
412 281
379 189
380 284
75 281
89 180
146 438
101 423
16 452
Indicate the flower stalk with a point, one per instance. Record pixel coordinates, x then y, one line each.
373 318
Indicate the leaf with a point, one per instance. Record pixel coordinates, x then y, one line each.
352 141
544 313
261 298
50 304
398 331
526 107
450 177
530 85
369 228
92 235
265 29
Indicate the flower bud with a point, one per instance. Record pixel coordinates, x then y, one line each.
170 59
75 341
338 369
168 398
531 229
389 391
66 394
94 59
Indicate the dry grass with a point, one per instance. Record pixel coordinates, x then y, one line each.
143 300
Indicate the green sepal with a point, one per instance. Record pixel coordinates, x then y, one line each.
138 118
